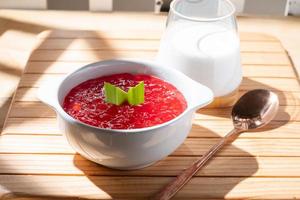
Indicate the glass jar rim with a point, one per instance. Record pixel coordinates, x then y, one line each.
202 19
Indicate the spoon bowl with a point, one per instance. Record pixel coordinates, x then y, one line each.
254 109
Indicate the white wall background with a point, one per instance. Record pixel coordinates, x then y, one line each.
239 5
24 4
101 5
266 7
261 7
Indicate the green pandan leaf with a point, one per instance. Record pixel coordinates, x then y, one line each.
135 95
114 95
117 96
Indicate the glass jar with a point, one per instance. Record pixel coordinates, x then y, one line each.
201 40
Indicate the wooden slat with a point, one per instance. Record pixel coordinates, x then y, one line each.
286 98
34 144
275 84
242 147
275 129
268 71
285 113
87 55
261 46
41 67
26 94
123 44
37 80
280 71
32 126
265 59
171 166
38 109
9 80
52 187
96 55
120 34
31 109
247 36
201 128
104 44
140 34
143 187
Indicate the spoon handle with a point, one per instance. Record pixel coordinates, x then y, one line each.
175 185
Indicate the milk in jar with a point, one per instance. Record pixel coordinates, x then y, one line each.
207 51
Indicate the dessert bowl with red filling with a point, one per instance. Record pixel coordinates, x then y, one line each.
125 136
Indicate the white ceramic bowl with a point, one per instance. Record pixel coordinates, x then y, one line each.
126 149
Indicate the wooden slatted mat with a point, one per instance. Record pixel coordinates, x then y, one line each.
37 162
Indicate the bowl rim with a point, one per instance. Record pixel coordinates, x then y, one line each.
69 118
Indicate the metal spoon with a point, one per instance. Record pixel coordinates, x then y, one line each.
253 110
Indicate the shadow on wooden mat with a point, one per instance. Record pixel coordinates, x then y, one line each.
281 118
216 180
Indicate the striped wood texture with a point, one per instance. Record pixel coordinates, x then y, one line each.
37 163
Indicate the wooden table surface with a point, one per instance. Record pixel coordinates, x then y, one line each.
37 162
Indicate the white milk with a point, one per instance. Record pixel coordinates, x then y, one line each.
207 53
